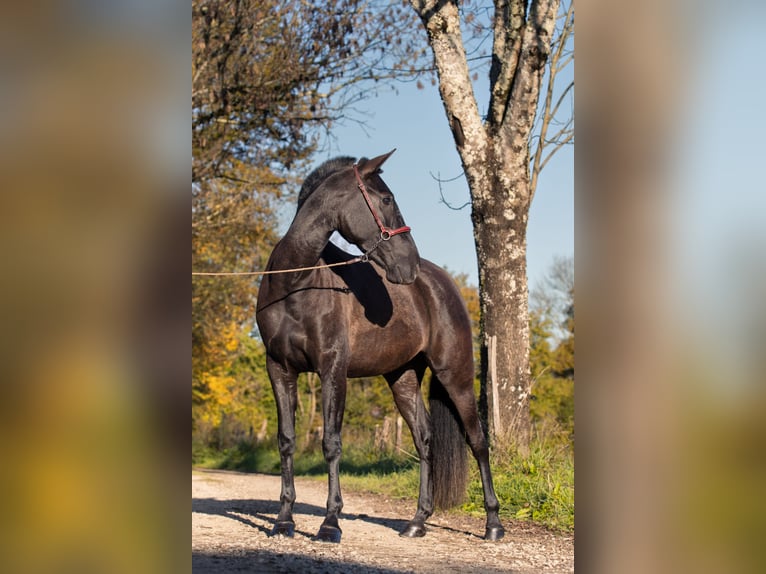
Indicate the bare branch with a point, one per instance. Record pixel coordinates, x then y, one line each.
442 199
565 141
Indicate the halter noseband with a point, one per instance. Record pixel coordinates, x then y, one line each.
386 233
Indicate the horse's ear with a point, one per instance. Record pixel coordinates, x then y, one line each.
373 165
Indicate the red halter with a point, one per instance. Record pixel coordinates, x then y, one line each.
386 233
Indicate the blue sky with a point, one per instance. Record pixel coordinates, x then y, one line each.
412 120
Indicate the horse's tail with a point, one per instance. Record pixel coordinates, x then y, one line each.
449 457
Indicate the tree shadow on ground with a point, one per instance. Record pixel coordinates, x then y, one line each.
273 562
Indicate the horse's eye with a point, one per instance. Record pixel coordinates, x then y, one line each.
386 200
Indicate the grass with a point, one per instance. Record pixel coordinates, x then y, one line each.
356 461
538 487
241 457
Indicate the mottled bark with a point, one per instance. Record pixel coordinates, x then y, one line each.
495 155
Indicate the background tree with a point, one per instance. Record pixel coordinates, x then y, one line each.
494 149
553 297
267 74
551 323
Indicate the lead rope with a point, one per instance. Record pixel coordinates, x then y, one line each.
363 258
359 259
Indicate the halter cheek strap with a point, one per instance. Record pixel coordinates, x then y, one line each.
386 233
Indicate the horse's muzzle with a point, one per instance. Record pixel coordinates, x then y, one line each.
403 274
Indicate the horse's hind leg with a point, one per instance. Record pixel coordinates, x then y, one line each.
465 403
405 386
283 383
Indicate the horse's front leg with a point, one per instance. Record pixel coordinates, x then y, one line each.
283 383
333 405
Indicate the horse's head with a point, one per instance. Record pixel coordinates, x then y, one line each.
369 217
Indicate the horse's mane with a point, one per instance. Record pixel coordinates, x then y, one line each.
321 173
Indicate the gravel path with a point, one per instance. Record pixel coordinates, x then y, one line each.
232 514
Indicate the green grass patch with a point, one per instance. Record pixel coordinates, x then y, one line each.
241 457
356 462
400 483
537 487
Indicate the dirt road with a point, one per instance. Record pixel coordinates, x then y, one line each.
232 514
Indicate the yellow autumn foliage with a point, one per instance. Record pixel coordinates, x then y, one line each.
218 397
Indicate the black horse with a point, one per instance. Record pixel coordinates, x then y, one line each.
393 314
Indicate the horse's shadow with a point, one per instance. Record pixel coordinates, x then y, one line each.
266 511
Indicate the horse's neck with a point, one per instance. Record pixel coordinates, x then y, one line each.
303 243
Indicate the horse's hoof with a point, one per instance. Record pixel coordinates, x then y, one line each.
494 533
413 531
284 529
328 534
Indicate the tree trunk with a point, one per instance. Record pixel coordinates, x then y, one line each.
500 225
495 154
